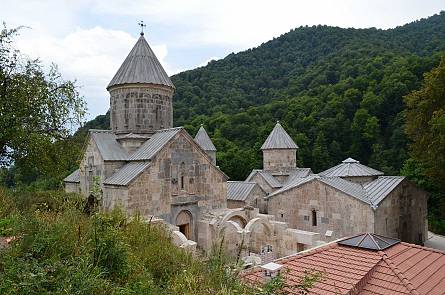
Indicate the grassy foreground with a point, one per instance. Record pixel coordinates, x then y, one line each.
60 250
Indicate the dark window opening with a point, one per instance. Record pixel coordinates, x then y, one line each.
314 218
182 182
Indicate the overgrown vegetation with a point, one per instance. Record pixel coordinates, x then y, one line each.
58 249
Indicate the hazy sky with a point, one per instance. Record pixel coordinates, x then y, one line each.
89 40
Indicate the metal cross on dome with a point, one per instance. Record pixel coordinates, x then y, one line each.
142 25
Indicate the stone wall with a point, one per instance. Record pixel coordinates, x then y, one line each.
277 159
254 199
335 211
140 108
91 165
403 214
72 187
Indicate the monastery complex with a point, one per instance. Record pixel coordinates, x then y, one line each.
148 167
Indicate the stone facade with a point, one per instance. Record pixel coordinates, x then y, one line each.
180 178
334 211
254 199
140 109
277 159
403 214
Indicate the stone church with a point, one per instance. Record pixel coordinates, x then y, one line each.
146 166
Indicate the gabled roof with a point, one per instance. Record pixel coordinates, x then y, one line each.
141 66
267 176
378 189
73 177
398 269
110 149
372 193
239 190
152 146
350 168
348 187
127 173
203 140
279 139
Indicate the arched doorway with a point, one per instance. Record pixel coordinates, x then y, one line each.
184 222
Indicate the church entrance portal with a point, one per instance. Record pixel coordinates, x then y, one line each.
184 222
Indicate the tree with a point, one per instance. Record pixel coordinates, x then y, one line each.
425 124
37 108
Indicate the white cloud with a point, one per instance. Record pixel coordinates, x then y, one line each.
91 56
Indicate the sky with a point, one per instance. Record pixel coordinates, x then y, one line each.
89 39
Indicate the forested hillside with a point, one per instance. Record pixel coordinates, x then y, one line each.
338 92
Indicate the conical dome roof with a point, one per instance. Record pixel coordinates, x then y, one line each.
349 168
204 141
141 66
279 139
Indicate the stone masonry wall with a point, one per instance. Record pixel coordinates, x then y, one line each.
140 109
403 214
277 159
335 211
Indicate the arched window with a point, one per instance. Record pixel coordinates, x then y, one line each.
314 217
182 181
182 177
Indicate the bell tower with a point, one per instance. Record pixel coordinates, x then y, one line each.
141 93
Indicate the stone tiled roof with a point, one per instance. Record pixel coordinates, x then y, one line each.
141 66
152 146
73 177
350 167
399 269
127 173
279 139
110 149
239 190
204 141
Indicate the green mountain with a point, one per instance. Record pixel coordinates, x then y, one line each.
338 92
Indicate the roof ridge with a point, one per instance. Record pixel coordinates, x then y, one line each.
423 248
100 130
358 287
407 283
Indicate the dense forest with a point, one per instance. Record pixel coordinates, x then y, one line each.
338 92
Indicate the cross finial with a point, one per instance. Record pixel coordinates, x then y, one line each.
142 25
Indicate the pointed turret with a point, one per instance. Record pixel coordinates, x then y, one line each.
204 141
279 150
141 93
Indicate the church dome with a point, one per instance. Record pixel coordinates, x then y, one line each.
141 67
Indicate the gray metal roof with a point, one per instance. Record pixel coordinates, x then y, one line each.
141 66
268 177
239 190
203 140
279 139
378 189
152 146
298 173
294 183
110 149
73 177
348 187
127 173
350 167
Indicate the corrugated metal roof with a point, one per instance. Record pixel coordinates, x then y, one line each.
154 144
73 177
109 148
298 173
350 167
127 173
239 190
252 174
268 177
203 140
294 183
348 187
279 139
378 189
141 66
